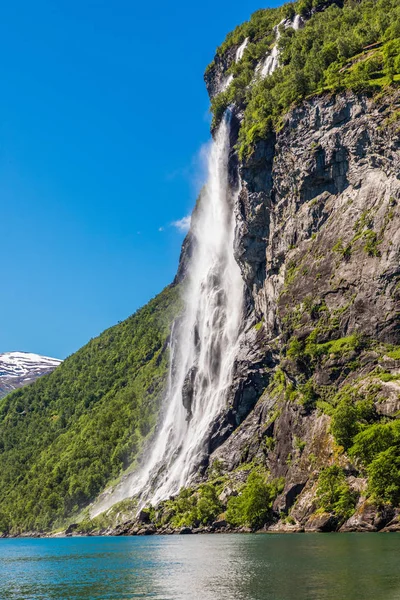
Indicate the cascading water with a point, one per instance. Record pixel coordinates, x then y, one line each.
204 343
271 63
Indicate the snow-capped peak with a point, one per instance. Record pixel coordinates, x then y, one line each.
20 368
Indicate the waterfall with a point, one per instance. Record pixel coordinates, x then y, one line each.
240 50
204 345
271 62
204 341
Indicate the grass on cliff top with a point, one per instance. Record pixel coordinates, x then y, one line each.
63 438
329 54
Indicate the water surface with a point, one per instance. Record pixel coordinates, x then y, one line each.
206 567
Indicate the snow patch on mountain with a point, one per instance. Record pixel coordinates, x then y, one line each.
21 368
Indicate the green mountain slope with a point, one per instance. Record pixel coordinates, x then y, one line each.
351 45
64 437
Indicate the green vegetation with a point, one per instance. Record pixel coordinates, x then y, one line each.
341 346
252 507
310 352
334 494
349 417
394 353
331 53
377 438
384 476
64 437
192 508
343 250
116 515
259 325
369 438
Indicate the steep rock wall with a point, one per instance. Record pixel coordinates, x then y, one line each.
318 244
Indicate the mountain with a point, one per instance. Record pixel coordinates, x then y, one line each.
280 409
20 368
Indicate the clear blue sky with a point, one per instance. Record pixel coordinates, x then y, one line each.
103 111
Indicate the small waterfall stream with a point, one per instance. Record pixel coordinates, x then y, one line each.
204 341
271 62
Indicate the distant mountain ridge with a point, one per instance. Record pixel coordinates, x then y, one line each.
18 369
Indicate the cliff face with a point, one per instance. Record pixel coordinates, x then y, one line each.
318 243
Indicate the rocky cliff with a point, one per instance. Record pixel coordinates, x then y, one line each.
318 243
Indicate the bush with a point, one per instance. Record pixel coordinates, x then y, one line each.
344 424
373 440
192 508
309 396
253 506
295 349
334 494
384 476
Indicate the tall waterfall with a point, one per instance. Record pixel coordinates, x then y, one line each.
204 341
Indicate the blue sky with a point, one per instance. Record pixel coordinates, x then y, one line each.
103 111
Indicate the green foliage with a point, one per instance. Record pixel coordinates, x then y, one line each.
193 508
384 476
327 54
343 250
278 383
299 444
252 507
373 440
255 29
295 349
371 243
259 325
378 447
291 271
309 396
344 423
340 347
334 494
117 514
394 353
310 352
64 437
351 415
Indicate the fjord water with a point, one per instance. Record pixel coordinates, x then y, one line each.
206 567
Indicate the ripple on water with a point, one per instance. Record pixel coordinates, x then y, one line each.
206 567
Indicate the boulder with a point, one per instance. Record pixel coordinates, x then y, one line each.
368 517
185 531
323 522
220 524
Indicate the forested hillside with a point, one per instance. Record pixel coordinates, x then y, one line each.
64 437
355 45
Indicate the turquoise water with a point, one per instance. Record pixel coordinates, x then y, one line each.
206 567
